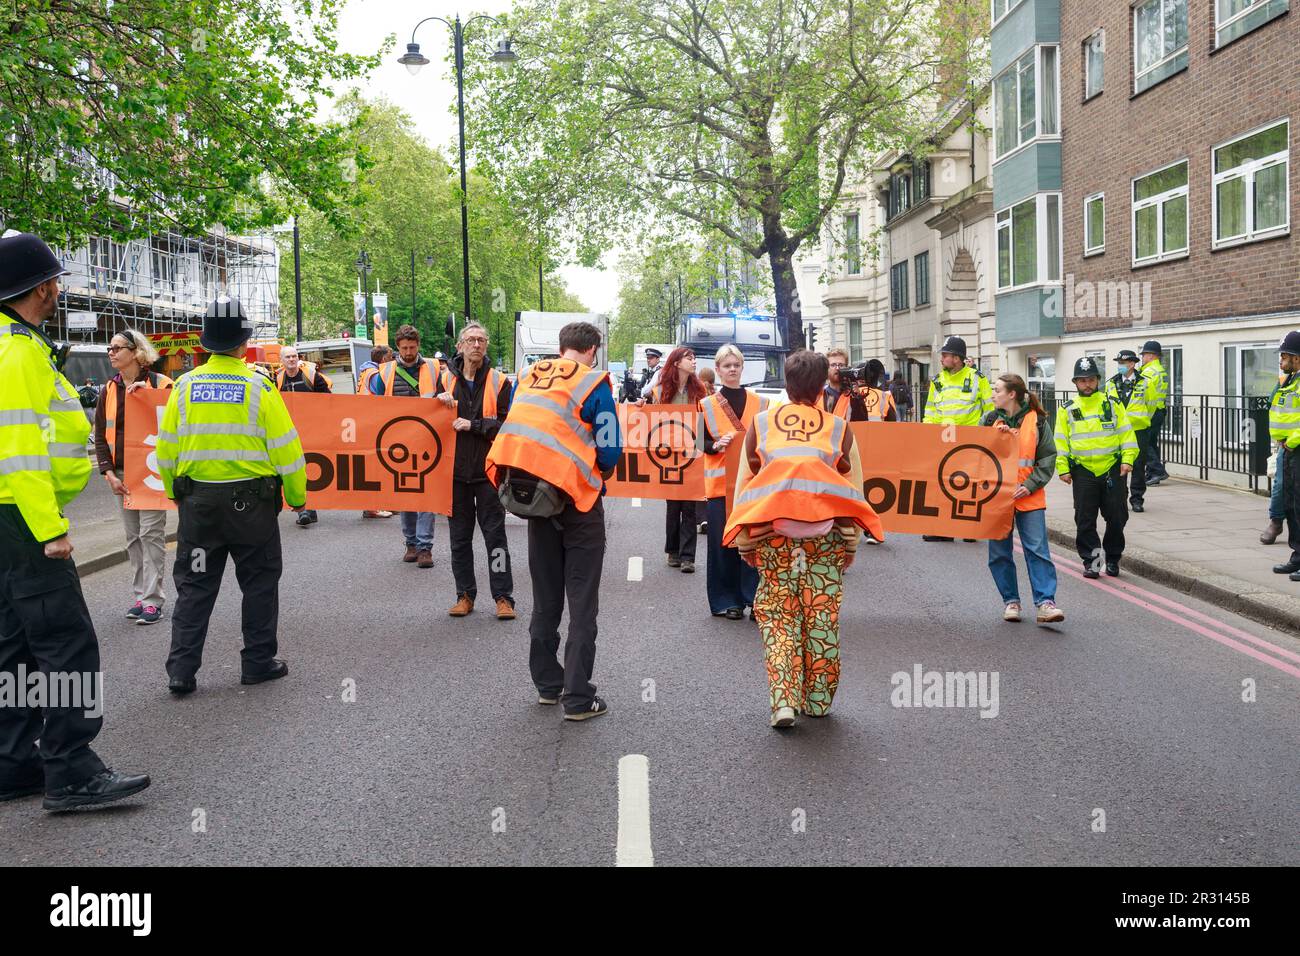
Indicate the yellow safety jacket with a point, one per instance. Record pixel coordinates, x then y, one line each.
958 398
225 423
1094 431
1157 390
1284 412
1139 415
43 430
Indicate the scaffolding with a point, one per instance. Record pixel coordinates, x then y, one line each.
164 282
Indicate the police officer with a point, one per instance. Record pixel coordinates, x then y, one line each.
45 625
1284 427
959 395
1129 389
1157 396
1095 451
227 449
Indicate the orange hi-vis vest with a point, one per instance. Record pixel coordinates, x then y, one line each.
308 370
431 377
363 383
492 382
798 447
544 433
1028 436
879 404
842 408
150 379
720 419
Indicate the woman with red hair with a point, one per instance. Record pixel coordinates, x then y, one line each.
679 385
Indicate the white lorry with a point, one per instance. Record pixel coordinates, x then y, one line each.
537 335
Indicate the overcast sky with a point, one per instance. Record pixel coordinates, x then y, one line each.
430 96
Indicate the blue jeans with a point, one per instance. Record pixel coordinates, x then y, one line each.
1042 572
1276 509
417 529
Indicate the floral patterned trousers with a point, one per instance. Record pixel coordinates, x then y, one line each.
798 612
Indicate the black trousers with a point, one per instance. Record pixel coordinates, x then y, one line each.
1291 499
680 529
1137 479
730 582
46 627
216 521
1155 464
1107 495
565 558
472 500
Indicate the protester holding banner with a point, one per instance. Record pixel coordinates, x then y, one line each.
549 462
296 375
482 400
1018 411
1096 449
412 375
679 385
727 417
798 507
227 450
131 354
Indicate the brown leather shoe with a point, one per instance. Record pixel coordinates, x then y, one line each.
411 554
1271 533
505 610
424 559
462 607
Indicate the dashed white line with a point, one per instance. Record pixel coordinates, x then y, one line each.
635 567
634 812
636 502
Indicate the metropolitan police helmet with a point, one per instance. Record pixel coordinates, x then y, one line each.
225 327
653 353
1151 346
1290 343
1085 368
25 262
1126 355
954 345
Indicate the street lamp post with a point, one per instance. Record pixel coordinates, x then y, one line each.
413 60
363 266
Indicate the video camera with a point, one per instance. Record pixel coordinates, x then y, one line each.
856 376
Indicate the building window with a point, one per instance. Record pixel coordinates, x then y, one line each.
1094 224
1160 214
1029 242
898 287
1159 41
855 341
908 187
1041 375
1002 7
1025 100
1249 370
920 182
922 265
1098 359
1234 18
852 246
1094 60
108 264
1251 198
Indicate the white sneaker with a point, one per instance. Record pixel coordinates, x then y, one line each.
1011 612
1049 613
784 717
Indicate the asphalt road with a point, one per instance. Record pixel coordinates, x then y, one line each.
1132 707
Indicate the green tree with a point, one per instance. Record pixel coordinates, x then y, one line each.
118 115
743 118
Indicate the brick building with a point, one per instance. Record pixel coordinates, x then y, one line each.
1166 171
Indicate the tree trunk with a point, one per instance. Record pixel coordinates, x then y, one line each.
789 311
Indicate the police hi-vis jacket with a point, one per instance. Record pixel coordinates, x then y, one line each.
43 431
226 423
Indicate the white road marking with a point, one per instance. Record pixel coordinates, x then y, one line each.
634 812
636 502
635 566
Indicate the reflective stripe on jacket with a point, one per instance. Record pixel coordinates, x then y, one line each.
1133 396
714 409
798 447
225 423
1094 431
43 431
544 433
961 398
432 377
1284 412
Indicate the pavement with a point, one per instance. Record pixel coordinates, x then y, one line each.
1150 728
1200 539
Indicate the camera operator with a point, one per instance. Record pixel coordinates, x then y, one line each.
856 393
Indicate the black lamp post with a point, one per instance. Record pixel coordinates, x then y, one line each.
363 266
413 60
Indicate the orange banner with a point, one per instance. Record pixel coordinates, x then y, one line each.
393 454
662 455
950 480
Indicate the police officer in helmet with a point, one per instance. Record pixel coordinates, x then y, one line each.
227 453
45 626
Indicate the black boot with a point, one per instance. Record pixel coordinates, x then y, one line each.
107 786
